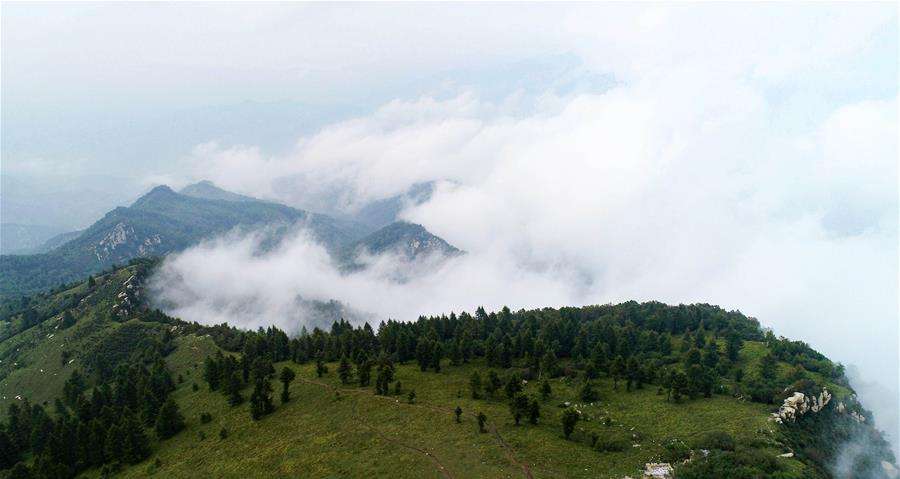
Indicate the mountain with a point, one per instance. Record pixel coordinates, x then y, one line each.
383 212
57 241
632 389
207 190
409 240
21 238
157 223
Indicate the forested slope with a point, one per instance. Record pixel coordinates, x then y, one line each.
98 385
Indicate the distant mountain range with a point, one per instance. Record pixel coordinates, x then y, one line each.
164 221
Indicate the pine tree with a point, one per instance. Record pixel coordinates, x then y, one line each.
513 386
569 419
91 282
261 399
321 368
211 373
458 412
437 353
494 383
136 445
546 391
411 397
768 367
169 421
345 371
286 377
549 365
475 385
233 389
518 407
9 453
482 419
616 370
692 357
586 393
423 354
678 385
534 411
711 355
364 371
733 344
68 320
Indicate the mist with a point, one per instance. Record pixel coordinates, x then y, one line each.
581 154
630 194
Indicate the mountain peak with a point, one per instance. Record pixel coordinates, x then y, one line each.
208 190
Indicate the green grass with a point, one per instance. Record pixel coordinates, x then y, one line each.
31 362
356 434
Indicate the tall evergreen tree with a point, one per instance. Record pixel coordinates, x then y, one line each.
169 421
534 411
569 419
475 385
261 399
345 371
286 377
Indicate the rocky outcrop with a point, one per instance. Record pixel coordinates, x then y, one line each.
799 404
127 299
661 470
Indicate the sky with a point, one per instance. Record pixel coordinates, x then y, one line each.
737 154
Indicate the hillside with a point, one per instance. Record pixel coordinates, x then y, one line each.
409 241
160 222
646 383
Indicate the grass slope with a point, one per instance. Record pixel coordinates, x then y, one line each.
334 430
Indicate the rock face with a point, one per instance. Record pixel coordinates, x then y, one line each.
662 470
799 404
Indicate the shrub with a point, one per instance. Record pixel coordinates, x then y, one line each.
716 440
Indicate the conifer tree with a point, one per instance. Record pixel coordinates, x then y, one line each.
169 421
494 383
534 411
518 407
513 386
458 412
733 345
261 399
569 419
345 371
68 320
546 391
617 370
549 365
321 368
475 385
482 419
233 389
437 353
768 367
587 393
286 377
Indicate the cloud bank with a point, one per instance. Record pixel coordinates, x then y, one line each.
704 173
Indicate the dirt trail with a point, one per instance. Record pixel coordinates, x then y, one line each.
510 452
359 417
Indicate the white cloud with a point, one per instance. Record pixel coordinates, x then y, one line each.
691 178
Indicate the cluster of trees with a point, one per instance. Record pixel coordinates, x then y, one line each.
686 350
109 424
230 375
